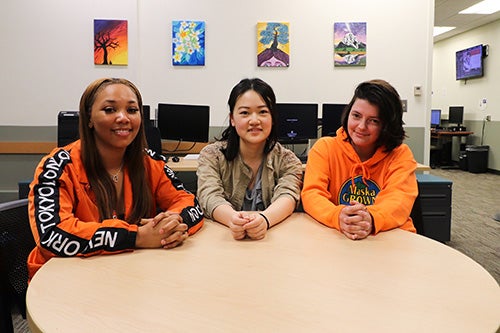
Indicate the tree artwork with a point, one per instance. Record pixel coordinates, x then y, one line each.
110 42
273 47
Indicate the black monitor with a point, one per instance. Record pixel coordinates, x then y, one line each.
456 115
331 119
180 122
297 123
435 118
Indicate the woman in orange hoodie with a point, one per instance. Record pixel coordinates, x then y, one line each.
106 193
362 181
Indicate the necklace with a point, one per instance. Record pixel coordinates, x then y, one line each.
115 176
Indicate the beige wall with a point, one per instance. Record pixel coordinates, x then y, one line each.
47 67
447 91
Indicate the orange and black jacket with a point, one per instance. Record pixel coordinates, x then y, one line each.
64 216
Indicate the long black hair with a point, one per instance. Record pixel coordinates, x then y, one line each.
230 135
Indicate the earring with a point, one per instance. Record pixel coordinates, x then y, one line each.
91 124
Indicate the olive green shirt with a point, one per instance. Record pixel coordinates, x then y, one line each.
222 182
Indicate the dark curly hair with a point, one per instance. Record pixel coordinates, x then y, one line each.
385 97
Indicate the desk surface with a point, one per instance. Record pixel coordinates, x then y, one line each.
450 133
302 277
191 165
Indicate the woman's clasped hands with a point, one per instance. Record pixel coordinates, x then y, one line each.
249 224
165 230
355 221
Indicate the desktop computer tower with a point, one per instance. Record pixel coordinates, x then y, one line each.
146 114
67 127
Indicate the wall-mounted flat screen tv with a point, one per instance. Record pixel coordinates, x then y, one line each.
469 63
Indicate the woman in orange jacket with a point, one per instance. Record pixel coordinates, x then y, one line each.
363 181
106 193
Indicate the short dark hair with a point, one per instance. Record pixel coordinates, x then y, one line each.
385 97
230 135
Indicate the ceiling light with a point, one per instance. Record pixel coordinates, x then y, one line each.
483 7
441 30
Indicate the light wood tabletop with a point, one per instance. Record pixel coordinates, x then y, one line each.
303 277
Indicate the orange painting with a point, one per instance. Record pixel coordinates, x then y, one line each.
110 42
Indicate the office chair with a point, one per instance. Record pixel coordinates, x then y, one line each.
416 216
16 242
153 138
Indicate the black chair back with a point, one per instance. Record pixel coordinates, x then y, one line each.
154 138
16 243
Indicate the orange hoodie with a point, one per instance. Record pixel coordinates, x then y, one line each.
64 217
335 175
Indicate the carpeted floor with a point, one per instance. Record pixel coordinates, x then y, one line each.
475 202
474 232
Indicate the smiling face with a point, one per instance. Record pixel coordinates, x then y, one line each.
252 119
115 118
364 127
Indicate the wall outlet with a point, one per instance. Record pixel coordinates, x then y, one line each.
488 117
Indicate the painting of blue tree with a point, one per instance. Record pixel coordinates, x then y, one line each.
188 43
273 48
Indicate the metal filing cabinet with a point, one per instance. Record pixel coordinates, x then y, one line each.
435 202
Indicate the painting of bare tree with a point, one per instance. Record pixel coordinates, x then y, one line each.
110 42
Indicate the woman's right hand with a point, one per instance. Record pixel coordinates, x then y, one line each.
355 222
165 230
237 225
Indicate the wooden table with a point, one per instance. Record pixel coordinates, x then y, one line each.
443 145
303 277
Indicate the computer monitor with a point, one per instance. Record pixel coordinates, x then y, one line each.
297 123
456 115
181 122
331 119
435 118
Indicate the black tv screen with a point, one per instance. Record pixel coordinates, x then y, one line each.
331 119
297 123
180 122
469 63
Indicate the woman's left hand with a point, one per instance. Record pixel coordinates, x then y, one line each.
172 227
355 221
256 228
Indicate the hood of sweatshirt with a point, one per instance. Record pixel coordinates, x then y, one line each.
358 166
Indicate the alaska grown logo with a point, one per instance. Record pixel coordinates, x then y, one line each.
362 192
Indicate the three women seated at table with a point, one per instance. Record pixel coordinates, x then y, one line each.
106 193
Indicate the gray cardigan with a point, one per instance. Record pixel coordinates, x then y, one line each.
225 182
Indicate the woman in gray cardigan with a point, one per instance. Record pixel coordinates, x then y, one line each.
247 180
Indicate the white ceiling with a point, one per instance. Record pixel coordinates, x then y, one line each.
446 14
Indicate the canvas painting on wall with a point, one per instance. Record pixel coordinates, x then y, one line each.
111 42
349 43
273 44
188 43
